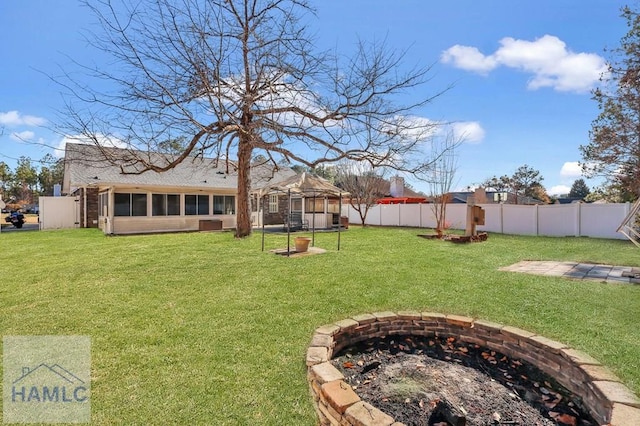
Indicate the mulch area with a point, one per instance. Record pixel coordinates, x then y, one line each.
441 381
460 239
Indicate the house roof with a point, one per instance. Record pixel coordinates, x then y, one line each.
263 175
402 200
385 187
86 165
305 184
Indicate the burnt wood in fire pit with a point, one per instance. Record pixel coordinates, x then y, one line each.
425 381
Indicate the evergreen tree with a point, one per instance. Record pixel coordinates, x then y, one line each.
5 178
26 178
579 189
51 173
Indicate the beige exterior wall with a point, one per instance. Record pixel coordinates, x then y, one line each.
136 225
111 224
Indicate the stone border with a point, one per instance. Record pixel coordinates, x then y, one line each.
608 400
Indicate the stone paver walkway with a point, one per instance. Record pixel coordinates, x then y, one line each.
578 271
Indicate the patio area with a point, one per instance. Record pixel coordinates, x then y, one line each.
578 271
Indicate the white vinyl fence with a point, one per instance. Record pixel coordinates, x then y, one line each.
59 212
578 219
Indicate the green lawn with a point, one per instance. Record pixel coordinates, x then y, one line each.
199 328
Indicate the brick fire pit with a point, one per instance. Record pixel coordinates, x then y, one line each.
607 399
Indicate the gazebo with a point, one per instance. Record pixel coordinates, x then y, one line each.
312 199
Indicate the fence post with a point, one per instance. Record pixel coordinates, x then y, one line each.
579 219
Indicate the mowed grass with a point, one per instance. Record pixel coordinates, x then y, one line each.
200 328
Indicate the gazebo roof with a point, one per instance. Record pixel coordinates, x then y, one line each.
305 184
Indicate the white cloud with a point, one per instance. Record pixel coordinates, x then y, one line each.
469 58
14 118
559 190
22 136
571 169
413 127
468 131
547 58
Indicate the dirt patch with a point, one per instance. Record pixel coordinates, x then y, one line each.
440 381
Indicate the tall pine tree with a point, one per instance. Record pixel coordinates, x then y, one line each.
579 189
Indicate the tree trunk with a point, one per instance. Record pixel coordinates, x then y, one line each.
362 214
363 218
243 215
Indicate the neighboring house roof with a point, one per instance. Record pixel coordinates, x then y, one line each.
402 200
409 193
305 184
570 200
86 165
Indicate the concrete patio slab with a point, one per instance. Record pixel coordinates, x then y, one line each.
576 271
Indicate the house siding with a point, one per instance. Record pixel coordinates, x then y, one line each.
155 224
283 211
139 225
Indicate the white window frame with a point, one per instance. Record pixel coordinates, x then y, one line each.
273 204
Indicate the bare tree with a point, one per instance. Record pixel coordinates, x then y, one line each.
365 184
235 78
441 177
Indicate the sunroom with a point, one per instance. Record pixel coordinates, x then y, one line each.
196 193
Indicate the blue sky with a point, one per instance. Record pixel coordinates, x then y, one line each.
521 71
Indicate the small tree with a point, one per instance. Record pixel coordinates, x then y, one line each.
365 184
539 192
609 193
441 178
501 185
526 181
579 189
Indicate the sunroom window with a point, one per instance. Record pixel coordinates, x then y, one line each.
196 205
127 204
165 205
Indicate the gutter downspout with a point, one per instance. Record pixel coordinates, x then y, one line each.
84 190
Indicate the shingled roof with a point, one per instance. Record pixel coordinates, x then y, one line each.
305 184
86 165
